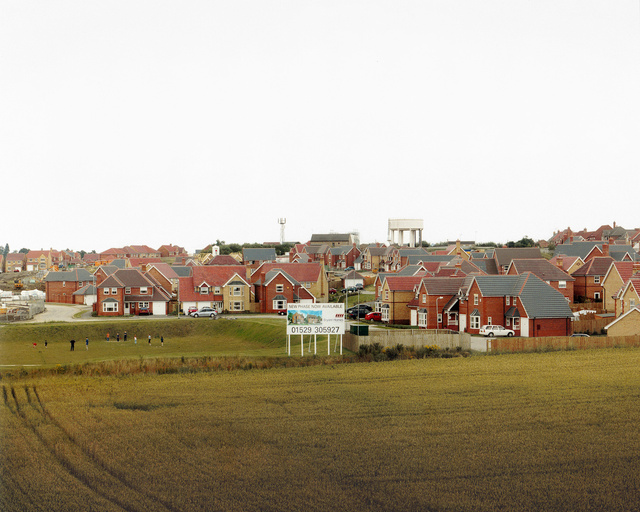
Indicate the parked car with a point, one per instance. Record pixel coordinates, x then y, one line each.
192 309
359 286
350 289
348 269
332 291
374 316
359 311
144 311
495 330
206 311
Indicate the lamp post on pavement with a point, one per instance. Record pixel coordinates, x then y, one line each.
437 314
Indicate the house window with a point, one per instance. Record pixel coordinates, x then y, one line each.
114 291
216 290
508 322
516 323
386 295
632 303
422 319
562 284
475 299
385 314
80 285
279 305
279 288
127 290
237 305
64 283
596 296
515 301
508 300
474 322
106 291
237 291
143 304
489 322
596 279
110 307
204 290
439 318
424 297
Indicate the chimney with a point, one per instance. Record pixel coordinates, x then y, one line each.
560 262
605 249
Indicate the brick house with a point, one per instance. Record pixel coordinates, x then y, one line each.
38 260
129 291
373 258
504 256
344 256
320 253
224 287
523 303
61 286
549 273
171 251
311 276
16 262
276 288
396 294
629 295
589 277
165 275
438 303
254 257
614 281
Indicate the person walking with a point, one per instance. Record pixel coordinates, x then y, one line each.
45 343
162 341
135 340
107 336
86 343
118 336
149 339
73 343
124 337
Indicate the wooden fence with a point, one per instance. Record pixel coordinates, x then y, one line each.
590 324
560 343
444 339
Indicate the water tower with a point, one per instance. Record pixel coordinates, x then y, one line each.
282 222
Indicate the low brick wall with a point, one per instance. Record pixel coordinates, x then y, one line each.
560 343
409 338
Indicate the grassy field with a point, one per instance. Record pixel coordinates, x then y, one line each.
526 432
251 336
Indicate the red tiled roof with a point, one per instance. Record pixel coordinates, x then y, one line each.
402 283
597 266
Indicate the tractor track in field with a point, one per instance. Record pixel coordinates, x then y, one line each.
34 415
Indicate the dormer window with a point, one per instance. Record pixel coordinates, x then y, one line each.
143 290
204 289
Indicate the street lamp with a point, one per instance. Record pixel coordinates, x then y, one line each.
437 322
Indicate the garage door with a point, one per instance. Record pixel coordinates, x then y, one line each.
158 308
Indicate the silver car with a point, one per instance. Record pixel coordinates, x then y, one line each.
206 311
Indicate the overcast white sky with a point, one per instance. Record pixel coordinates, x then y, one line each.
153 122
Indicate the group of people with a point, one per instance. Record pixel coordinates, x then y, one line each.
124 338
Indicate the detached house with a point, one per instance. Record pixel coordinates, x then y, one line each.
614 281
523 303
224 287
629 296
276 288
546 271
62 286
589 278
130 292
344 256
396 297
438 305
16 262
38 260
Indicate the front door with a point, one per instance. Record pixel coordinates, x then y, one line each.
127 308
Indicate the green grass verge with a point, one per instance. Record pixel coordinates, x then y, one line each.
253 336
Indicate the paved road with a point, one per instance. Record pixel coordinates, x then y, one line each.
61 313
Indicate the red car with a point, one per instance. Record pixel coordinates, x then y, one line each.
374 316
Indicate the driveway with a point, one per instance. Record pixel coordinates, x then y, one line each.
60 313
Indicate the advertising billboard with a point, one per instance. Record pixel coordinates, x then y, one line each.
315 318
